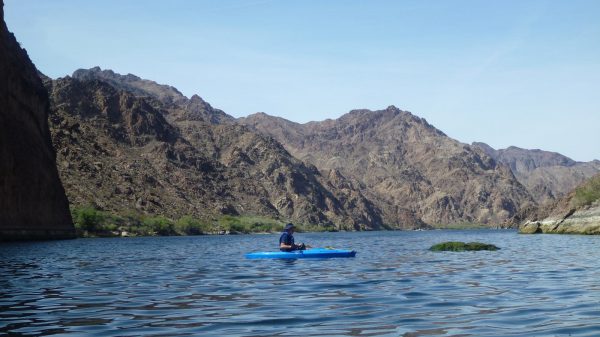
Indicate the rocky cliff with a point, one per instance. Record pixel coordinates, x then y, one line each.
410 169
164 97
126 144
546 175
33 204
576 213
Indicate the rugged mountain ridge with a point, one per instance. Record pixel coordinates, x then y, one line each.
405 165
127 143
33 204
548 176
161 96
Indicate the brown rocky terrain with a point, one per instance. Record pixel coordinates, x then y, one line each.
361 171
410 169
576 213
33 204
164 97
126 144
546 175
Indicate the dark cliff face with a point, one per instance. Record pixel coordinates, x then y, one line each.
124 143
33 204
406 166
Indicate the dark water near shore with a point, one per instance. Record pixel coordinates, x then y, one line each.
537 285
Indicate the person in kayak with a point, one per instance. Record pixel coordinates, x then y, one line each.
286 240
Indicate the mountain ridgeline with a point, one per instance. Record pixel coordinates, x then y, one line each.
548 176
410 169
126 143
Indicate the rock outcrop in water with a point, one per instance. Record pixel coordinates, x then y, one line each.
125 144
577 213
33 204
411 170
546 175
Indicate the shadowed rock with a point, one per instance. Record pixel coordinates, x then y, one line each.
33 204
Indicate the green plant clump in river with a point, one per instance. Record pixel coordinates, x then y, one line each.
455 246
587 193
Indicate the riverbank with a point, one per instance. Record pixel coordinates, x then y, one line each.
91 222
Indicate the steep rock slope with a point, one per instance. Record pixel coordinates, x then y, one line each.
546 175
160 96
406 166
124 146
576 213
33 204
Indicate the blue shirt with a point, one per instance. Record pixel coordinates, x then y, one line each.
287 239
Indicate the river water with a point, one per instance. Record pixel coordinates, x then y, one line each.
536 285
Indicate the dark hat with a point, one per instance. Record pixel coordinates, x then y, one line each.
289 226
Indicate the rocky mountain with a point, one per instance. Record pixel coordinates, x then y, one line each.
576 213
126 144
161 96
33 204
546 175
410 169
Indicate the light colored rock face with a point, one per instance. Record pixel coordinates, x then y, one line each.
569 215
33 204
404 165
583 221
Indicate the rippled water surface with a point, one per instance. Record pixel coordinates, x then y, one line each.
536 285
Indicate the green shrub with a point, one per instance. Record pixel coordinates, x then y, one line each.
160 225
587 193
191 226
87 218
455 246
237 227
248 224
89 221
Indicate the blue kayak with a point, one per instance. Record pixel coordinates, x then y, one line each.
318 253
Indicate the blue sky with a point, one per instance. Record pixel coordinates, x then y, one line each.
523 73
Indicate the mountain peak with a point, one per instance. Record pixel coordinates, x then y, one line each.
132 83
412 170
196 98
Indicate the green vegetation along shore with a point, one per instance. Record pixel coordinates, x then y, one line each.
91 222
